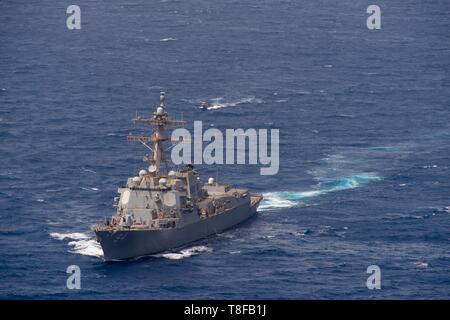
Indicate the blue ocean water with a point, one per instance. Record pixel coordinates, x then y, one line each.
364 131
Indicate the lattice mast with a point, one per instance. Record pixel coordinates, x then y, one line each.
158 138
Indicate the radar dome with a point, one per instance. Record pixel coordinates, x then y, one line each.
160 111
172 173
162 181
211 181
136 179
142 173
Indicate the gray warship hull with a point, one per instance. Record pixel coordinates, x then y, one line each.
127 244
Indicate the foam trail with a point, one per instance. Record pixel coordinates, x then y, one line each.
87 248
72 236
90 189
185 253
218 104
81 243
167 39
287 199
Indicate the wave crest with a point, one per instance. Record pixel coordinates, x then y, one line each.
71 236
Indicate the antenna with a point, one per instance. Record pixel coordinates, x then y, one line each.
157 139
162 97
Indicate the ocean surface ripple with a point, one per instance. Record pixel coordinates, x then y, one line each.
364 166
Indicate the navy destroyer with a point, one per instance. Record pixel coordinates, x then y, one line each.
164 208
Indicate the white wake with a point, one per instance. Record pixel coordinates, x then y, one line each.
81 243
288 199
185 253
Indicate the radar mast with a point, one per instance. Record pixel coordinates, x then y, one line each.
158 137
